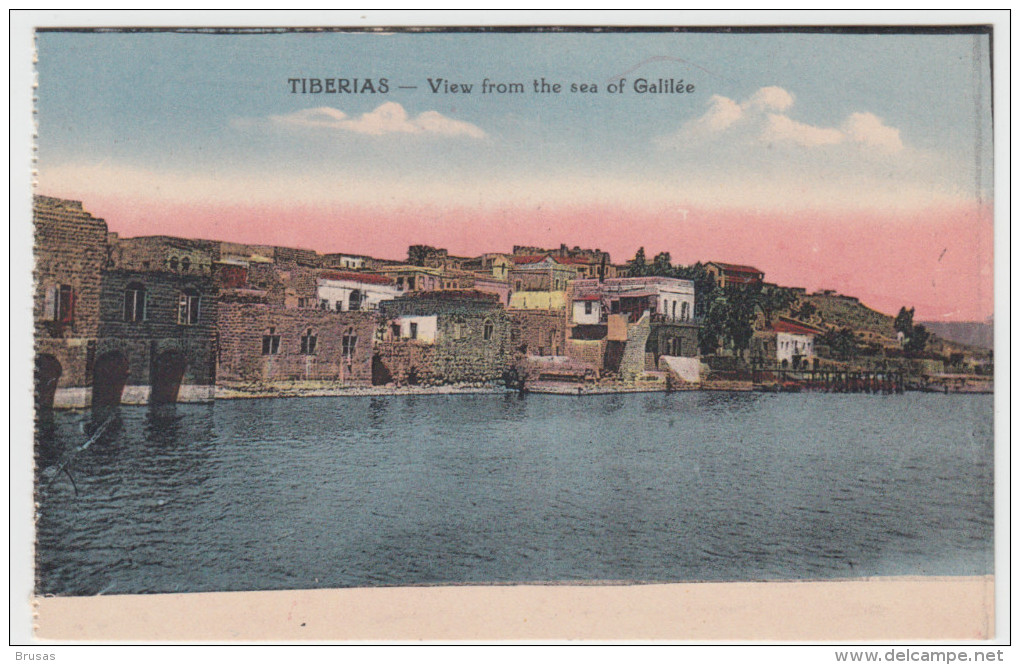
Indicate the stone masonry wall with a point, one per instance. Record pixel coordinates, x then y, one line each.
461 352
70 250
242 327
535 332
161 331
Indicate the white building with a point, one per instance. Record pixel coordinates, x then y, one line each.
667 298
352 292
587 309
795 343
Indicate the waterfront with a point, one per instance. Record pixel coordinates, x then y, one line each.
447 489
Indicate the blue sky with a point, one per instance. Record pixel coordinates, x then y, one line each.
170 102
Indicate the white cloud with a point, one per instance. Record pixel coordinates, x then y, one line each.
782 128
388 118
763 118
722 113
869 129
769 98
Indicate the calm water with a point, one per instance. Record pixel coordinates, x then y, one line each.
364 491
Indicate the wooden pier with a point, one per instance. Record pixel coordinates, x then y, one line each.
885 382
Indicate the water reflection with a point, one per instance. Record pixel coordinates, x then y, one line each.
266 494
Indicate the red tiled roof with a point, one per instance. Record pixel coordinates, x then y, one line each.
793 328
588 296
572 260
362 277
734 267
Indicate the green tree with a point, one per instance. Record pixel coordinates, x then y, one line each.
662 265
841 343
918 340
904 321
805 311
638 266
773 300
742 305
704 287
713 325
416 254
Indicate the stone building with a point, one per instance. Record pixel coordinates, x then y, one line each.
630 324
70 254
183 256
120 320
289 285
157 336
591 263
732 274
442 337
538 333
537 272
261 343
413 278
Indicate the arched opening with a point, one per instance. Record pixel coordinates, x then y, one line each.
380 373
167 372
109 378
47 373
354 303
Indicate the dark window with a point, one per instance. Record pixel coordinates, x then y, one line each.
414 331
270 343
60 303
134 302
185 264
355 301
348 345
587 307
188 308
308 342
487 330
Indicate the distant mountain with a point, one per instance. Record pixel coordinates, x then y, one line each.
972 333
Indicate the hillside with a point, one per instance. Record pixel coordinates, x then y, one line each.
971 333
875 329
837 311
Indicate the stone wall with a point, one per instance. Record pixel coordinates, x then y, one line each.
159 328
673 339
163 253
405 362
633 362
71 252
590 351
534 332
243 328
285 284
472 338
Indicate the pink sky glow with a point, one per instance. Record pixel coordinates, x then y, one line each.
938 261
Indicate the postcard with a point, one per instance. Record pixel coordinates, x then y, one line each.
663 333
